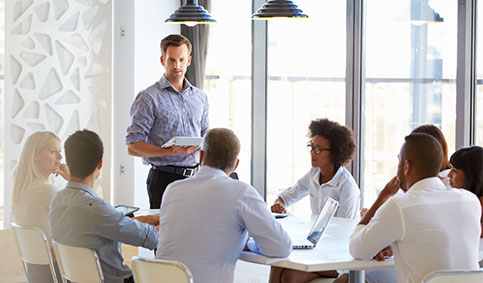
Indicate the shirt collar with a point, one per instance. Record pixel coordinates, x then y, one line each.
80 186
165 83
205 169
334 182
432 182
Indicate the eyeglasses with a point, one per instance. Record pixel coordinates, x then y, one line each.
316 149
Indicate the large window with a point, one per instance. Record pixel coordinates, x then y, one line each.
479 76
228 75
2 106
306 80
410 81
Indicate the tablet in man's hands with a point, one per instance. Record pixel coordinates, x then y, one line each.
183 141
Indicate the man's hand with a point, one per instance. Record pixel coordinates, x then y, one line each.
278 206
386 252
363 211
147 150
390 189
180 150
152 219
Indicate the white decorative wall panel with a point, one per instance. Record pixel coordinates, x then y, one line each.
58 73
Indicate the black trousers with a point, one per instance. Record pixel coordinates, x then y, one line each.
157 182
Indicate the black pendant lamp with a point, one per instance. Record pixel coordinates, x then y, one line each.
190 14
279 9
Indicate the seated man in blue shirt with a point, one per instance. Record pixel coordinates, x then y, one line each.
79 217
205 219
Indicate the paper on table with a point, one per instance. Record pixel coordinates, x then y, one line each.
183 141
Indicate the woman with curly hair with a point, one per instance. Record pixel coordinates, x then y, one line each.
331 147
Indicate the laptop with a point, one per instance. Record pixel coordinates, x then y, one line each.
318 228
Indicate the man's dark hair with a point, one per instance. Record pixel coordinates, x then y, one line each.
83 152
424 153
436 133
341 140
470 161
174 40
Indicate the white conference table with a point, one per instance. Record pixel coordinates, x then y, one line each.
331 252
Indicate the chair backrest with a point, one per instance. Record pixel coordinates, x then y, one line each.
454 276
33 247
159 270
78 264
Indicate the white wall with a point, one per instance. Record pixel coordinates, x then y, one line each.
57 75
136 66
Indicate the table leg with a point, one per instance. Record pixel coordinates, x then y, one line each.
356 276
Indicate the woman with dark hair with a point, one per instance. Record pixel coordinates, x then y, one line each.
467 171
436 133
331 147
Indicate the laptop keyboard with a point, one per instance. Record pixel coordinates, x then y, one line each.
299 243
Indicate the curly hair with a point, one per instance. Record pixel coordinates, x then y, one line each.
341 140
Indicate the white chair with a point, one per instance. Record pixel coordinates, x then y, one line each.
78 264
454 276
33 247
159 270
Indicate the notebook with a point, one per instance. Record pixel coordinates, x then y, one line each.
318 228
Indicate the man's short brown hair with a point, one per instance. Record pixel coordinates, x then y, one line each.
174 40
220 149
424 153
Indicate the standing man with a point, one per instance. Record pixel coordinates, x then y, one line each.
431 227
171 107
218 214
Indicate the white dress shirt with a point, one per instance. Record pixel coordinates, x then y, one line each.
342 187
431 227
204 223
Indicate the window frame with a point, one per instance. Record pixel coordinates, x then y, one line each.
355 76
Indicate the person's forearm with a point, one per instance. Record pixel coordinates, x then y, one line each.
370 213
144 149
148 219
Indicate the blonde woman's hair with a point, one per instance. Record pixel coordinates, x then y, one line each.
27 171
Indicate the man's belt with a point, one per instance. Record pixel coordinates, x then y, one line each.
183 171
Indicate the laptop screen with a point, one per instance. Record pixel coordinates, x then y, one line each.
323 220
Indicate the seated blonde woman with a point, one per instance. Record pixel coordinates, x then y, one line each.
33 189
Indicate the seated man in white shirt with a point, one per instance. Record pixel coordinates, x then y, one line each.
205 219
430 227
